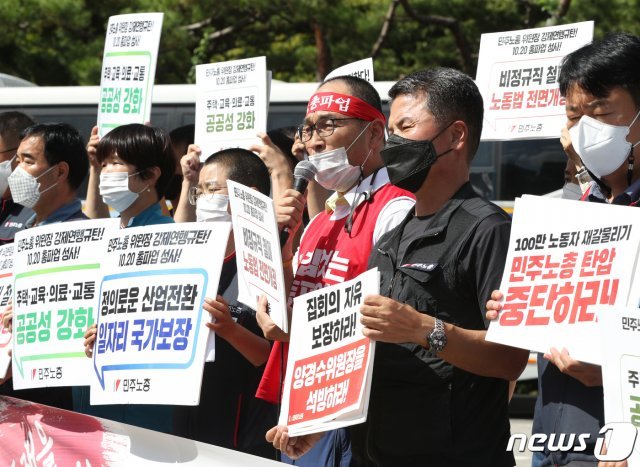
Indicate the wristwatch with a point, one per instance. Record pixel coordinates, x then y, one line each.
437 338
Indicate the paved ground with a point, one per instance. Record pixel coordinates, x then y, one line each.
522 425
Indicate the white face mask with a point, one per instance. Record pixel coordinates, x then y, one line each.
333 169
25 189
5 172
114 189
602 147
571 191
213 208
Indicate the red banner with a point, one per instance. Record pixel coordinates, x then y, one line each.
33 434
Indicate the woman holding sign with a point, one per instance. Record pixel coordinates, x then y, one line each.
137 166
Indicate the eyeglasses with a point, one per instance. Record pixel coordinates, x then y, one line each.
207 189
324 127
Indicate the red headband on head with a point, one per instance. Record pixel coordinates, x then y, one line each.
344 104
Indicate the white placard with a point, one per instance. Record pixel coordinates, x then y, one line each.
362 69
258 254
128 69
57 272
330 362
232 102
566 258
518 78
151 340
620 333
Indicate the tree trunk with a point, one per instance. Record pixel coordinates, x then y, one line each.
563 8
323 53
386 26
453 25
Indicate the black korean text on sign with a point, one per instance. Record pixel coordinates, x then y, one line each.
330 303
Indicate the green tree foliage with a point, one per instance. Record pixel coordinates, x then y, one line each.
60 42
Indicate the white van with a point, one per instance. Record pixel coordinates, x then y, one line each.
500 171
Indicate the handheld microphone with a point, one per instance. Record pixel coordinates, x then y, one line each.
302 175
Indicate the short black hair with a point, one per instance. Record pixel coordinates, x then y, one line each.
183 135
62 143
603 64
143 147
12 124
284 138
360 88
450 95
244 167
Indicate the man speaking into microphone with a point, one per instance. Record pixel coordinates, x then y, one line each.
304 172
343 133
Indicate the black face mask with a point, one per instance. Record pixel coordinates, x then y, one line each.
408 161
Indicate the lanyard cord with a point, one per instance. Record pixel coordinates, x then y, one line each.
368 196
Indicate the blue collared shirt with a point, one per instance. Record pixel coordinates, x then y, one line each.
150 216
69 212
630 197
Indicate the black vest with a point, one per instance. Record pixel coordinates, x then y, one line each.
423 410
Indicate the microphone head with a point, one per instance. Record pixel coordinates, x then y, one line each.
305 169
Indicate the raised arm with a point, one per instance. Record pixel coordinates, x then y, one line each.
94 207
190 162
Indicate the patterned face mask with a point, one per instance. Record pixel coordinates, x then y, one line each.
25 188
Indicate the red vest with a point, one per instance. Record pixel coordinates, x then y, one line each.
328 255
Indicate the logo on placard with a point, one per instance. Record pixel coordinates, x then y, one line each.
46 373
132 385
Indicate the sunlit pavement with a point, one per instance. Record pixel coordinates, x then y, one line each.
522 425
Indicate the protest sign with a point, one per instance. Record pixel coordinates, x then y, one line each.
518 79
258 254
362 69
151 334
56 269
128 69
231 104
6 292
566 258
620 331
330 362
